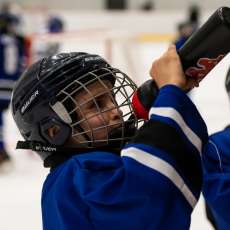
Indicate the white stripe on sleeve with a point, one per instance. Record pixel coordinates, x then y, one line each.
5 95
162 167
174 115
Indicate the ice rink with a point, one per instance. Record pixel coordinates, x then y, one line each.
20 187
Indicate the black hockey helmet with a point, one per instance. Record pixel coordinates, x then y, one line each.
44 97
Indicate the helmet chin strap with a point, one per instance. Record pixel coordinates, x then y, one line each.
56 155
116 137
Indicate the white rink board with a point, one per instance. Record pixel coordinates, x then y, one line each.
21 188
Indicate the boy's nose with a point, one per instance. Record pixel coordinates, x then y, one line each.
115 113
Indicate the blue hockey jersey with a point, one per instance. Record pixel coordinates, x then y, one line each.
13 56
154 183
216 188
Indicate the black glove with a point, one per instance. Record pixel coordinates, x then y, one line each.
144 97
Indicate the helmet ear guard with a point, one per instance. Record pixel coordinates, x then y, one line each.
61 136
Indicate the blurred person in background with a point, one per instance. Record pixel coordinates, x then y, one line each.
185 30
75 111
14 56
188 27
216 161
194 16
54 25
147 5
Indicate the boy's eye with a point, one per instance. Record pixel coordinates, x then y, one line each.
91 105
99 103
94 104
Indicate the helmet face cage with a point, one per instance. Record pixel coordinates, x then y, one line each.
118 94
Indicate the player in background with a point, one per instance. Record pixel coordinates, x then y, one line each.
216 161
54 26
188 27
14 56
185 30
74 110
148 5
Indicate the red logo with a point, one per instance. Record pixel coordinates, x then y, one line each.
205 65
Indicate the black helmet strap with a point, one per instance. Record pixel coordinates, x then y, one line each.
56 156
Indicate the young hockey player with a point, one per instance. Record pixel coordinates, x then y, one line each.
74 110
216 164
14 54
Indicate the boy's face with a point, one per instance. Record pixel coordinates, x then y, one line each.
97 110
